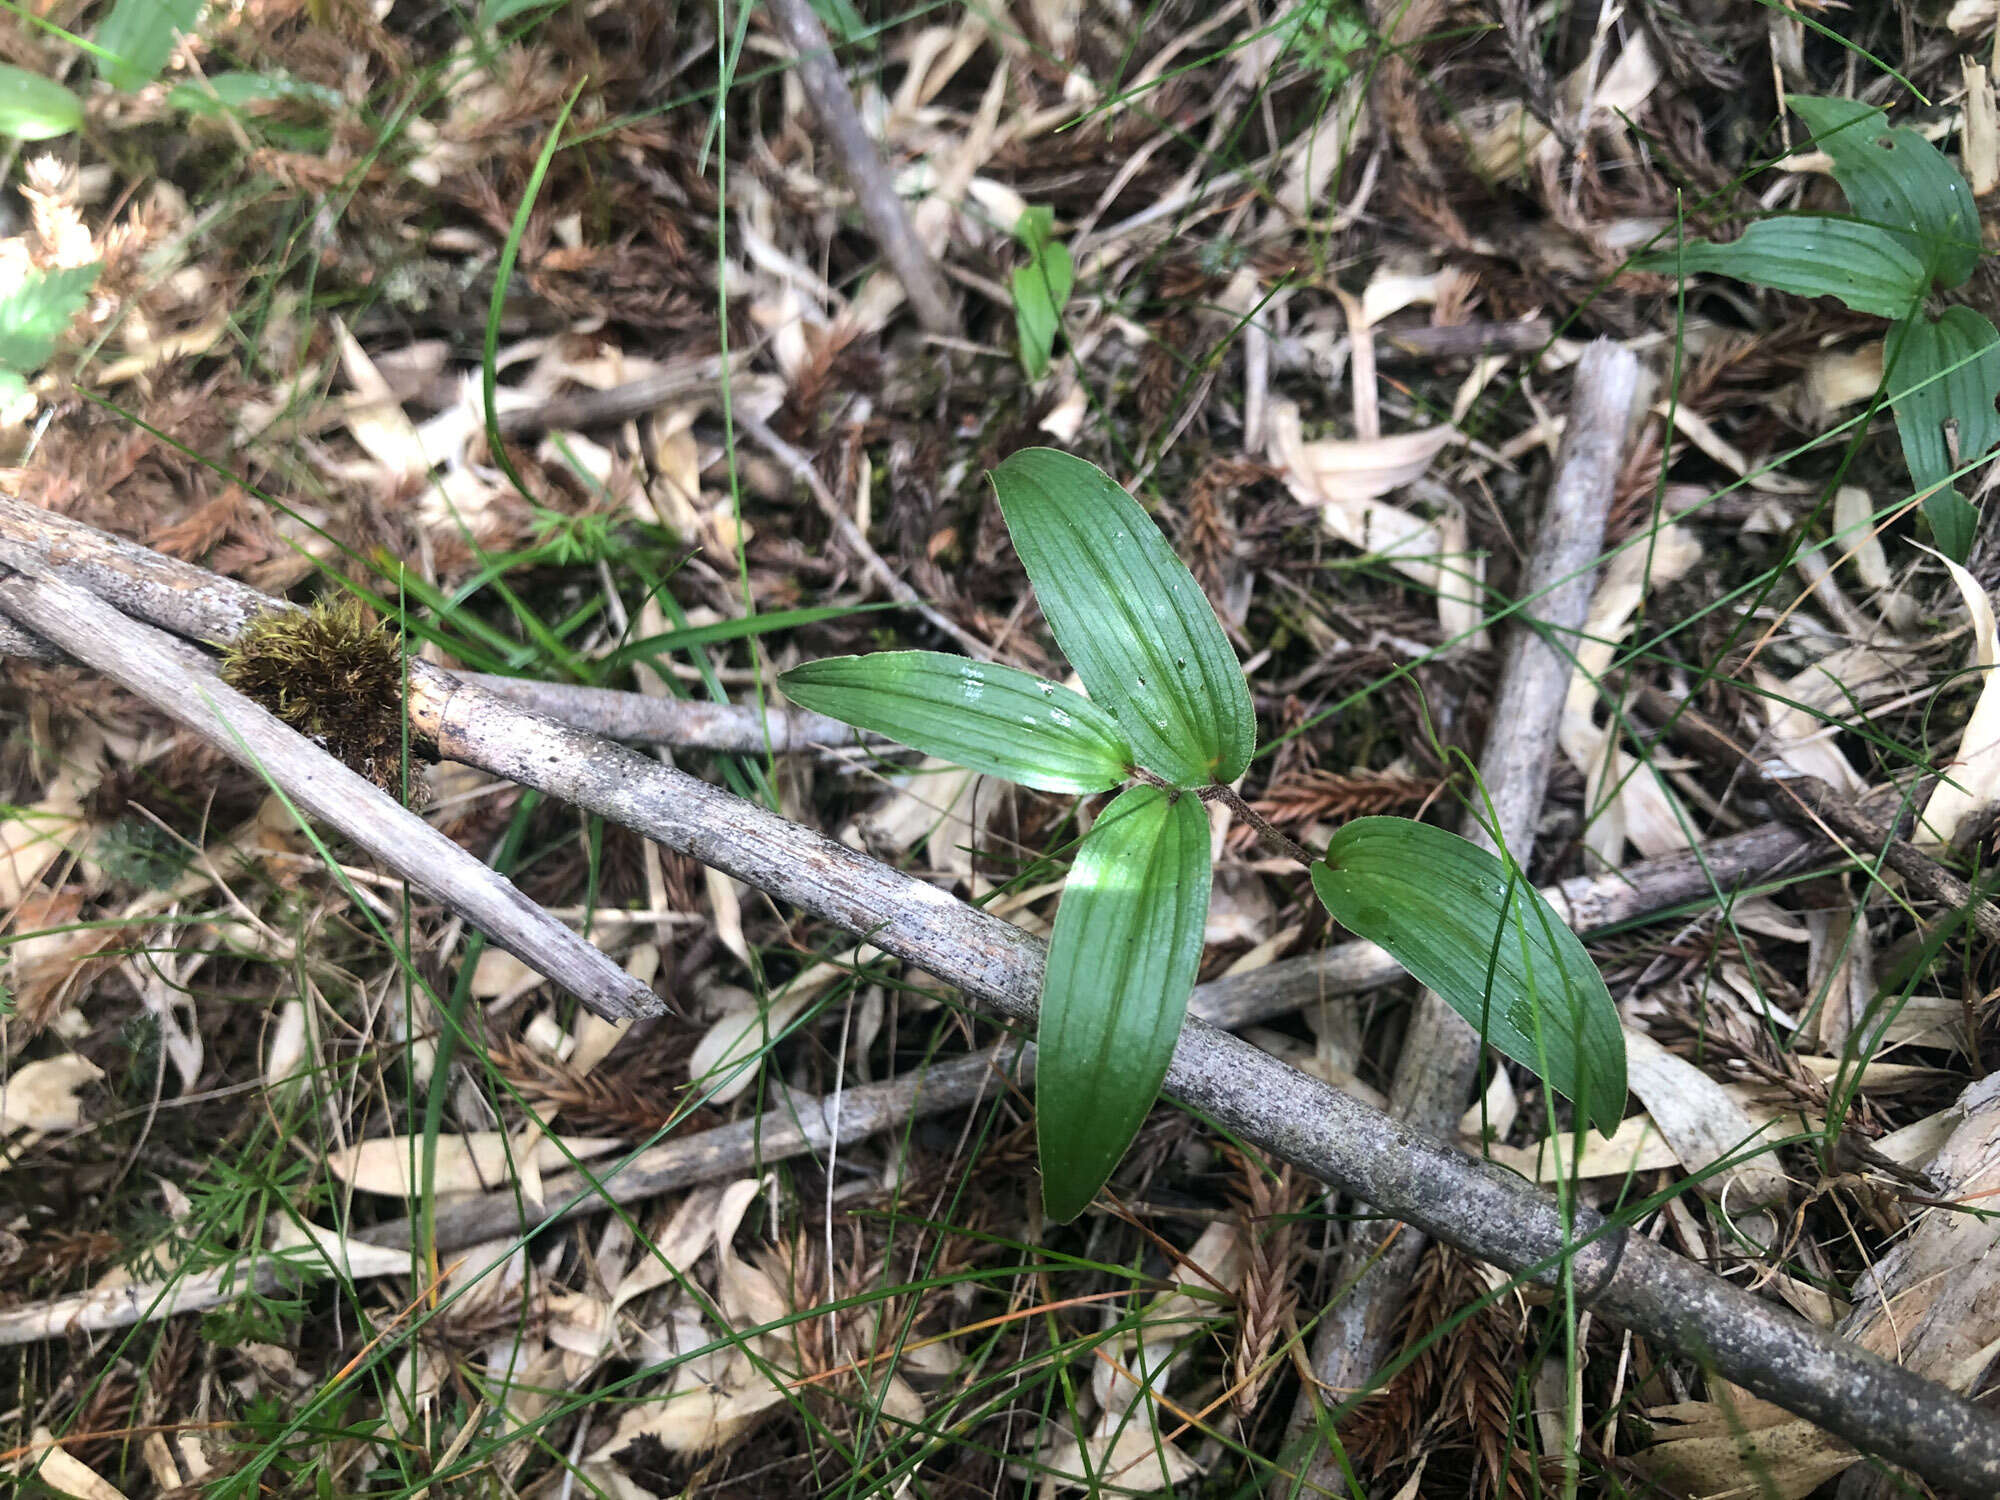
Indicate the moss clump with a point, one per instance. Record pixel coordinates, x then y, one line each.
336 676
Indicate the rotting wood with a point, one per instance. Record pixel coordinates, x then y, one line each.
1878 1406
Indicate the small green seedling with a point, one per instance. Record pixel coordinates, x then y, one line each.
35 309
1041 288
1170 711
1915 229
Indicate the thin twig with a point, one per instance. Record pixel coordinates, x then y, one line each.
688 381
682 723
180 682
874 191
801 468
1808 801
1495 1215
1440 1054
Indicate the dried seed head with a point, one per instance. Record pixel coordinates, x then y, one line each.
336 676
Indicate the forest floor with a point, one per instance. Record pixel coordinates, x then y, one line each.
1333 268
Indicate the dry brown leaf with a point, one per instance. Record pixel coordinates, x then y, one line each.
1974 772
1704 1123
1341 475
466 1163
1628 802
62 1472
46 1095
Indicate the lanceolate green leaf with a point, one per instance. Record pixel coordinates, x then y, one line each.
139 36
1896 179
1130 617
1122 963
1447 911
1869 269
1041 287
34 108
987 717
1946 375
35 311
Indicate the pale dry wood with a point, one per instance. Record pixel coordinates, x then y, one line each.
1440 1053
681 383
182 683
1354 1149
874 190
682 723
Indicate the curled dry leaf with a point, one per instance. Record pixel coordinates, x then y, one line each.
467 1163
945 807
717 1397
285 1052
1973 775
46 1095
1131 1459
1628 802
1809 709
1344 478
1856 537
1127 1447
1932 1304
59 1469
1704 1123
1505 141
749 1297
32 837
1344 474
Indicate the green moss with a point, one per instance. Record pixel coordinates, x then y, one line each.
336 676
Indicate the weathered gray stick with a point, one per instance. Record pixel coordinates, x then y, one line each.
179 681
854 1114
683 723
1440 1056
874 191
1587 902
1878 1406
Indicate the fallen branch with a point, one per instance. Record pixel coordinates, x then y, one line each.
1492 1214
682 723
1810 803
874 191
854 1114
1440 1054
181 682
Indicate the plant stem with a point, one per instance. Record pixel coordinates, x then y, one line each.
1279 843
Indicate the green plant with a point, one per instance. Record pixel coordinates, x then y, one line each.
1169 709
34 108
1041 287
1914 230
138 37
35 308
